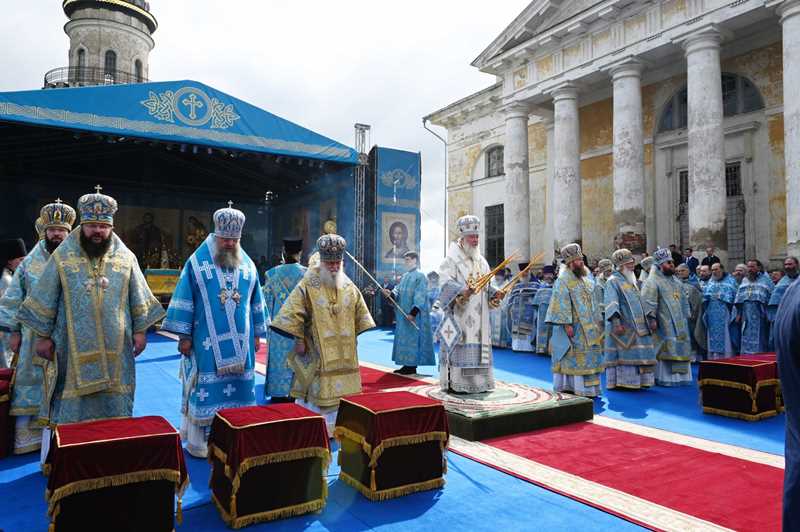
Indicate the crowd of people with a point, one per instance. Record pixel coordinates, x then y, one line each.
75 310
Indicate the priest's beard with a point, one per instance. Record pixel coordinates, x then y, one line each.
95 249
331 280
52 244
471 252
629 276
227 258
579 271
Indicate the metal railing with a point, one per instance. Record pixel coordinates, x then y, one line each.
88 76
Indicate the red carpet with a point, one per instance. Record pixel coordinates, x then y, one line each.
730 492
372 380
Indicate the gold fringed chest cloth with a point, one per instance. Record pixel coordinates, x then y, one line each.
392 443
269 462
94 455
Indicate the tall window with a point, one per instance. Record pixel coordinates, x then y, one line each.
111 63
493 217
739 96
81 74
494 161
733 179
137 66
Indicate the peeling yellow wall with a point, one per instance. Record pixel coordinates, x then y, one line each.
462 164
545 67
764 67
597 200
596 123
777 196
601 42
673 11
572 55
537 144
459 203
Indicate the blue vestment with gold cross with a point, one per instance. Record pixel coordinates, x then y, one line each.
572 303
278 284
720 314
752 299
90 308
222 310
622 301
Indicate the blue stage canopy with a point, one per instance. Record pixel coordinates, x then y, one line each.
185 112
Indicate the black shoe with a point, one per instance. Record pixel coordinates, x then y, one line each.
406 370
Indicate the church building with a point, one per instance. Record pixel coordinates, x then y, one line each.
633 123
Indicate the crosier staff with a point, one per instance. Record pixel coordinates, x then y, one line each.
371 278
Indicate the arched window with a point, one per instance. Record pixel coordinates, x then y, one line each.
111 63
739 96
494 161
137 67
81 74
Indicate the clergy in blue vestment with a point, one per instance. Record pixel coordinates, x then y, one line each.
628 345
433 302
91 309
791 268
56 222
413 346
576 347
278 284
694 296
540 305
719 312
787 346
752 299
217 310
667 309
522 314
604 270
499 316
12 252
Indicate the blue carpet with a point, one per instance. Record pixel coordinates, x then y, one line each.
476 497
674 409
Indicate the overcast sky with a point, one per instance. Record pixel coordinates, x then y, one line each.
322 64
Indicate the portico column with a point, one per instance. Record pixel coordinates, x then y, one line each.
790 22
566 167
516 210
629 202
707 201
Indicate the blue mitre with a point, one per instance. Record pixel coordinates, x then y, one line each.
228 222
97 208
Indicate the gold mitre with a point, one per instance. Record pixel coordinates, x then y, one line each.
57 214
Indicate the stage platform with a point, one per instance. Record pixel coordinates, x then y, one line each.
508 409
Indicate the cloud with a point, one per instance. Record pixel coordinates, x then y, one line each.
324 65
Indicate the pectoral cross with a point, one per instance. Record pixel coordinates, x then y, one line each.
193 104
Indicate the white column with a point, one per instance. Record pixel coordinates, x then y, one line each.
707 201
790 23
629 197
516 207
549 227
566 167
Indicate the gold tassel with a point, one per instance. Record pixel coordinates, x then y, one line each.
179 513
372 484
233 506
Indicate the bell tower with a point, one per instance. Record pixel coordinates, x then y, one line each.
110 43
